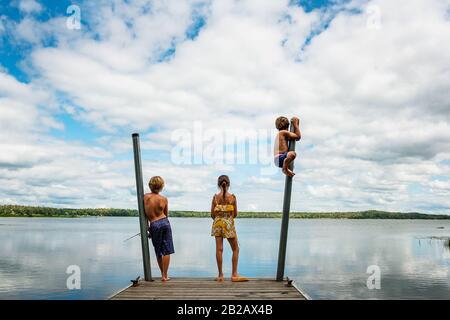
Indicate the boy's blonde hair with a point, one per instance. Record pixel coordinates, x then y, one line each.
282 123
156 184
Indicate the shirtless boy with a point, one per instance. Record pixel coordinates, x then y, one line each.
156 209
282 156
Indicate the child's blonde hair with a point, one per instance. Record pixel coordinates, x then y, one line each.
156 184
282 123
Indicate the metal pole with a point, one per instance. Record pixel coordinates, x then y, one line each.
140 199
285 218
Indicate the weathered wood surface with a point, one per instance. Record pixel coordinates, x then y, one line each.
209 289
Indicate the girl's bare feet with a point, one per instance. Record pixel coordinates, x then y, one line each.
219 278
165 279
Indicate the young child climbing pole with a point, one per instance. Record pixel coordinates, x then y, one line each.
284 157
157 211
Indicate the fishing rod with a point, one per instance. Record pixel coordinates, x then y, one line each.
131 237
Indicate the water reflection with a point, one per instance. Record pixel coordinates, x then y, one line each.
327 258
439 241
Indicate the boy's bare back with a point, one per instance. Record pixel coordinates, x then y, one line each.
281 142
156 206
283 136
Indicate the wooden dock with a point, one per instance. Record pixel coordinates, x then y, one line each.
209 289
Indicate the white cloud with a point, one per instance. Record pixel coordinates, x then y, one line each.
29 6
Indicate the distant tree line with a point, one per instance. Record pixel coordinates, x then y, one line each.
29 211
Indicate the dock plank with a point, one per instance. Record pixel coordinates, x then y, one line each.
208 289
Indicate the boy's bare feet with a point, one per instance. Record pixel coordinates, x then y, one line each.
165 279
290 157
288 172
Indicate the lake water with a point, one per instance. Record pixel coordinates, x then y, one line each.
327 258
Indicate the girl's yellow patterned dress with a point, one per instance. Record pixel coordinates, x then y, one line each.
223 225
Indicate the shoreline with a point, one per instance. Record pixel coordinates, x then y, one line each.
239 217
17 211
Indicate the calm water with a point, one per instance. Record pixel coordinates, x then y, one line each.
327 258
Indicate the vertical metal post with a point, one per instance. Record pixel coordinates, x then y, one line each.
285 218
140 199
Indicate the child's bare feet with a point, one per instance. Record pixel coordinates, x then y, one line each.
219 278
291 155
288 172
165 279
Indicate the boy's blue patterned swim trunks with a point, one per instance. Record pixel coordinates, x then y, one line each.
161 234
279 159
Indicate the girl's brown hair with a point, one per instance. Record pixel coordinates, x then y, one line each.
223 182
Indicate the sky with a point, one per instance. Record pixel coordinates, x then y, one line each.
202 82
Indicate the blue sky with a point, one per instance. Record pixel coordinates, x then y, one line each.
70 99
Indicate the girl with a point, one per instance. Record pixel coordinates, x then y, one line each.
223 211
